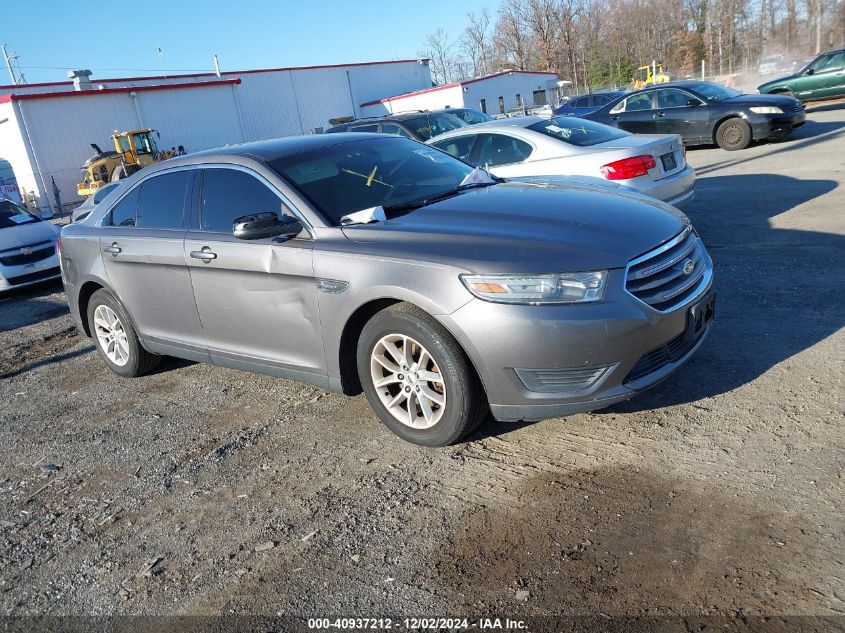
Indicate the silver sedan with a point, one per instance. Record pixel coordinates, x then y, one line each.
651 164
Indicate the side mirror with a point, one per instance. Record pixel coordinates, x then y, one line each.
266 224
46 214
811 71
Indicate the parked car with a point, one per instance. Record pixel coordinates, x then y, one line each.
770 64
418 125
468 115
822 78
81 212
375 263
579 106
653 165
704 113
27 247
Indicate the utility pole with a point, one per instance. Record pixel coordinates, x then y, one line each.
8 59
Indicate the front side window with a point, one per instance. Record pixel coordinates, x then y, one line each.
834 62
714 92
638 102
673 98
578 132
460 147
819 63
428 125
161 204
123 143
12 215
123 214
498 149
388 171
392 128
228 194
580 102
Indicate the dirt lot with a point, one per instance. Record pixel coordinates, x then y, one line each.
718 493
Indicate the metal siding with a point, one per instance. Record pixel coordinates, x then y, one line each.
13 149
507 86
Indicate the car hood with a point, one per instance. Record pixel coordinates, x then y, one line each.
775 82
25 234
527 227
764 100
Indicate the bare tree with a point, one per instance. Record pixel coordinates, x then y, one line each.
476 43
441 52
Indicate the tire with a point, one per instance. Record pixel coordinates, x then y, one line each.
123 352
733 134
457 404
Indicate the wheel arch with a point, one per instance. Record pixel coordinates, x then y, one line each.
86 291
348 348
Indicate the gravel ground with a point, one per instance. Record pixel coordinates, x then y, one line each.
198 490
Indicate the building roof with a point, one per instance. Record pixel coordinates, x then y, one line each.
459 84
9 87
106 91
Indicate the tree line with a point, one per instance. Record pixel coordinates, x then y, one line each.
600 43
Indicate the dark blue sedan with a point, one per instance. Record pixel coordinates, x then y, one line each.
585 104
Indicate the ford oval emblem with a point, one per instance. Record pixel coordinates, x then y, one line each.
689 266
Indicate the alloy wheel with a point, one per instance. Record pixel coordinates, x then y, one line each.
408 381
111 335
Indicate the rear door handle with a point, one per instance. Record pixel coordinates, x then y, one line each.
205 254
661 114
114 249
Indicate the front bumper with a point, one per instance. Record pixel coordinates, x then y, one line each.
616 333
765 126
12 277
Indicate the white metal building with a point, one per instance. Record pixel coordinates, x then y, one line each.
46 129
494 94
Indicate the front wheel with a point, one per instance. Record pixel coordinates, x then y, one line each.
733 134
417 378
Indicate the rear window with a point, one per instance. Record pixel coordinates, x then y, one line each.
12 215
578 132
427 125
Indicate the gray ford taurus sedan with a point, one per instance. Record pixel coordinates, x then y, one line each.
374 263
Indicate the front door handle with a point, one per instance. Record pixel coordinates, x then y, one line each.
661 114
113 250
205 254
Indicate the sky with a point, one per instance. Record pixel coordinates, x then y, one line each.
52 37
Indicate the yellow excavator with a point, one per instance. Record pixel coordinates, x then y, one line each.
647 75
133 150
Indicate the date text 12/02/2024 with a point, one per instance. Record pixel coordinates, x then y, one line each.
416 624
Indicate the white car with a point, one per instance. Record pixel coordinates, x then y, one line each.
27 247
650 164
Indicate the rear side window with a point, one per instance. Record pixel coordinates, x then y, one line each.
162 201
498 149
228 194
638 102
123 214
392 128
460 147
365 128
580 102
600 100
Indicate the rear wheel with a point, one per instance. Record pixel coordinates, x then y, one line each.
733 134
116 339
417 378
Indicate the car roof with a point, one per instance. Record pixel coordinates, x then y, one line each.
273 149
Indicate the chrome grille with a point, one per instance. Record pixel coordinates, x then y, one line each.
672 274
28 254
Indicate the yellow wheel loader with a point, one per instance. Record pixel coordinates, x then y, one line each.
647 75
133 150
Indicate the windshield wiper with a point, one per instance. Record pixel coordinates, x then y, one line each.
416 204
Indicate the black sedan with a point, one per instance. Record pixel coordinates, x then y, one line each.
703 113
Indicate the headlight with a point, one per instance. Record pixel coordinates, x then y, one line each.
766 110
537 289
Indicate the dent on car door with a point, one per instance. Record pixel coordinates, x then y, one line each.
257 299
142 243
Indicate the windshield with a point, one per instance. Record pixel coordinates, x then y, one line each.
12 215
348 177
578 132
428 124
714 92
